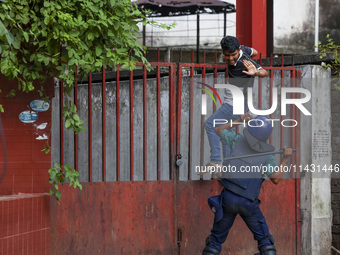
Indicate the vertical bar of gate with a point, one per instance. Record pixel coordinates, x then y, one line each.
90 125
171 122
145 146
297 179
178 110
281 117
292 114
104 126
75 100
215 79
259 104
131 124
271 84
202 139
191 109
159 155
298 119
61 105
117 126
202 123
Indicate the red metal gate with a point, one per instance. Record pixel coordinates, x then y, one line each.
280 204
143 202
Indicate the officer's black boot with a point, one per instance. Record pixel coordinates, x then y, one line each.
209 250
267 250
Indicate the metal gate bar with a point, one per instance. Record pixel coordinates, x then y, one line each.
131 126
90 125
75 101
117 125
158 84
103 126
281 117
61 123
144 125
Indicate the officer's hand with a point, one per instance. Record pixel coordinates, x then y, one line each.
245 117
287 152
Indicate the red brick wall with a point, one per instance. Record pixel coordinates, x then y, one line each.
25 224
24 202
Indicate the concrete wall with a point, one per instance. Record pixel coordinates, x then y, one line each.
316 212
294 27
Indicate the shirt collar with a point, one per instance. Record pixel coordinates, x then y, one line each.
241 53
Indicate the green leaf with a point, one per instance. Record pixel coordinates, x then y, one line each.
90 36
52 174
99 51
68 123
71 62
75 117
5 36
67 168
58 195
74 33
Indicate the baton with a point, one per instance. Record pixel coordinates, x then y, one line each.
257 154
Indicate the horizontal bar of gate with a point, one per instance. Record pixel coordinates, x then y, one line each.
129 126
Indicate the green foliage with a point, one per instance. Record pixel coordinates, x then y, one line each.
59 174
330 47
93 33
72 119
42 39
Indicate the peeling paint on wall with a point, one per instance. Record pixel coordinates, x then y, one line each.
42 126
42 137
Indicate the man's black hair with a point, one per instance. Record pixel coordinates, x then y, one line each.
230 43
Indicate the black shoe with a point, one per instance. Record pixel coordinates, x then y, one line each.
210 251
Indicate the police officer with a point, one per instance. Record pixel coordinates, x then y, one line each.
242 188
